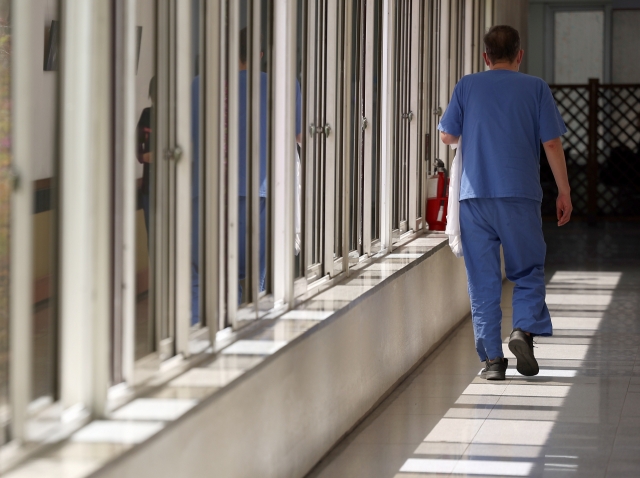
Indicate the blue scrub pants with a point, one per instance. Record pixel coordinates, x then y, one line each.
242 234
195 261
485 223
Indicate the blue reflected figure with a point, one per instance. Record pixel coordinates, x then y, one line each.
243 143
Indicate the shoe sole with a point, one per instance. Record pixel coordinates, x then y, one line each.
527 364
494 376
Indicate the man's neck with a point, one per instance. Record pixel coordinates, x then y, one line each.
505 66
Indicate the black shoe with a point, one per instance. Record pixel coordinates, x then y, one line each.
495 369
521 345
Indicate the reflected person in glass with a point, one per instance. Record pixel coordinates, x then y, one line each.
243 146
144 150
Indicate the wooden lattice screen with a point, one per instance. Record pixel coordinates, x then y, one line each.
602 147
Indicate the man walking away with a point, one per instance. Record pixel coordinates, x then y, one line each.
503 116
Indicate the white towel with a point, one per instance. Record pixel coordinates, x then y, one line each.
453 207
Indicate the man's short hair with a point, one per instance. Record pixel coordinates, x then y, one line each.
502 43
243 46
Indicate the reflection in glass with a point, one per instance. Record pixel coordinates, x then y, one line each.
146 97
302 155
356 156
44 166
197 173
311 72
5 196
375 123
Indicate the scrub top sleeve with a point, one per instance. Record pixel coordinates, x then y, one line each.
451 121
551 123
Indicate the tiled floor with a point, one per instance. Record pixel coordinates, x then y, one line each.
580 417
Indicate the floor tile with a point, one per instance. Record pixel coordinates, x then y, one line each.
580 411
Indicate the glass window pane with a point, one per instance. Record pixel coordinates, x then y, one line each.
625 46
197 170
146 98
579 46
44 160
5 196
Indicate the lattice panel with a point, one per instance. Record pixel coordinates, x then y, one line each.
619 150
573 104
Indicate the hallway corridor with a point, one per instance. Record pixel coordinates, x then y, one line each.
580 417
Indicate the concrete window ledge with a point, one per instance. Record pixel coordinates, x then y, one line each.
273 404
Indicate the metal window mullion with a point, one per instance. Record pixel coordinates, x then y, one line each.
405 85
283 147
321 143
423 114
311 206
21 225
232 162
253 278
101 107
387 123
331 54
401 81
346 134
183 183
443 71
427 107
339 131
128 190
76 205
172 202
400 111
401 140
210 87
159 178
468 37
220 157
435 82
369 145
414 135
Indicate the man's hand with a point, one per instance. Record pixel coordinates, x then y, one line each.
555 156
448 139
147 158
563 208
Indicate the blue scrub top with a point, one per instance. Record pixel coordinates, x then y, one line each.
242 132
502 116
243 141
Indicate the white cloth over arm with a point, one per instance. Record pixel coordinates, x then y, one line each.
453 207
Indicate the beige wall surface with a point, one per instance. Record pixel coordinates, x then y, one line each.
280 420
516 14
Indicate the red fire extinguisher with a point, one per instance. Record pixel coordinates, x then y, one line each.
437 198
